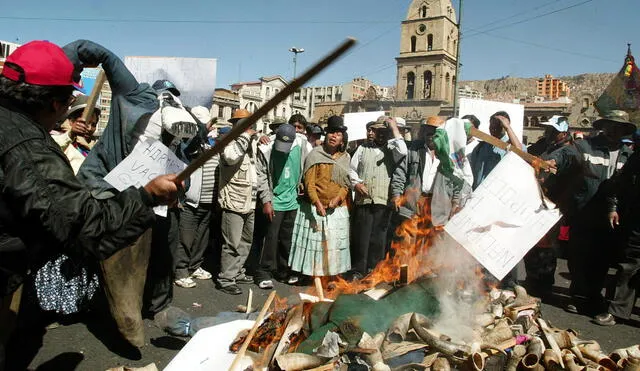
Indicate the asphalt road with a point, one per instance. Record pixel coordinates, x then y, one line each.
92 344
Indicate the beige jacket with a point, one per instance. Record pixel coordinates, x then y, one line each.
238 178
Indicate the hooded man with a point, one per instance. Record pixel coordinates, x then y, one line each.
138 112
582 168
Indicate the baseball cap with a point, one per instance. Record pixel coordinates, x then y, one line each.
285 136
559 123
40 63
161 85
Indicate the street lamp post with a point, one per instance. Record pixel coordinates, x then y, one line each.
295 52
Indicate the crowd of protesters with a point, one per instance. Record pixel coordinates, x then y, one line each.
286 205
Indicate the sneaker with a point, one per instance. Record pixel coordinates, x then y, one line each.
293 279
186 282
604 319
265 284
201 274
231 289
244 279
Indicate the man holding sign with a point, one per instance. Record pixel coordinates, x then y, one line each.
44 208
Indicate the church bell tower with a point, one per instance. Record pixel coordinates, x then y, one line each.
426 66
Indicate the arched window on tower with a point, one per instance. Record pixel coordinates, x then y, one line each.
455 47
448 44
413 43
447 86
423 11
411 80
430 42
428 78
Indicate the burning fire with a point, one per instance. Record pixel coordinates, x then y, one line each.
415 237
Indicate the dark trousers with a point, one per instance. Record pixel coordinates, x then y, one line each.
277 245
627 282
370 228
260 229
158 288
590 253
194 238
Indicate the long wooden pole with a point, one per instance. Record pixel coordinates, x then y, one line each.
243 125
508 147
247 340
93 97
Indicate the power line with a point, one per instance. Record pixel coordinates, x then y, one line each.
492 23
529 19
211 21
548 47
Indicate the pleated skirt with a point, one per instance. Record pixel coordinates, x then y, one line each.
320 245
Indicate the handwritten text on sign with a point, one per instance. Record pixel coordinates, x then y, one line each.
149 159
504 218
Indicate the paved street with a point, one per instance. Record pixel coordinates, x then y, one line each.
89 345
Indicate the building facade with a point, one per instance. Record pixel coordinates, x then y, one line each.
6 48
551 88
225 102
252 95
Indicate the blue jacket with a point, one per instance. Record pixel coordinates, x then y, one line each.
132 104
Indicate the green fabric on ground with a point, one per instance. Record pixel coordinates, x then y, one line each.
373 316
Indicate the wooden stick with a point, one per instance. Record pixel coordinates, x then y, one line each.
508 147
241 126
546 331
93 97
245 345
319 291
249 301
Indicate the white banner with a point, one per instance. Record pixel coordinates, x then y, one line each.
483 109
149 159
356 123
505 217
194 77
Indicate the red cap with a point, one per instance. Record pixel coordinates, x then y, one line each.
43 63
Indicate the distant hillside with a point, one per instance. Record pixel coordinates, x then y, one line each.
508 88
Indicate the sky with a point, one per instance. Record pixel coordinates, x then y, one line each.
251 38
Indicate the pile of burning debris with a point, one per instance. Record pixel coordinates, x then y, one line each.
358 332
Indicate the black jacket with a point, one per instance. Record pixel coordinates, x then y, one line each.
45 210
583 168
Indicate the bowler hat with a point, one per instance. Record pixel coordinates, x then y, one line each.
335 123
616 117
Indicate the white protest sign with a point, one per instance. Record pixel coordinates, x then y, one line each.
208 349
149 159
483 109
504 218
356 123
194 77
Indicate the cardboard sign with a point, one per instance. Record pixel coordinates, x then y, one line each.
505 217
194 77
483 109
149 159
208 350
356 123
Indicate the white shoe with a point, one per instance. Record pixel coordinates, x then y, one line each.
201 274
186 282
293 279
266 284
